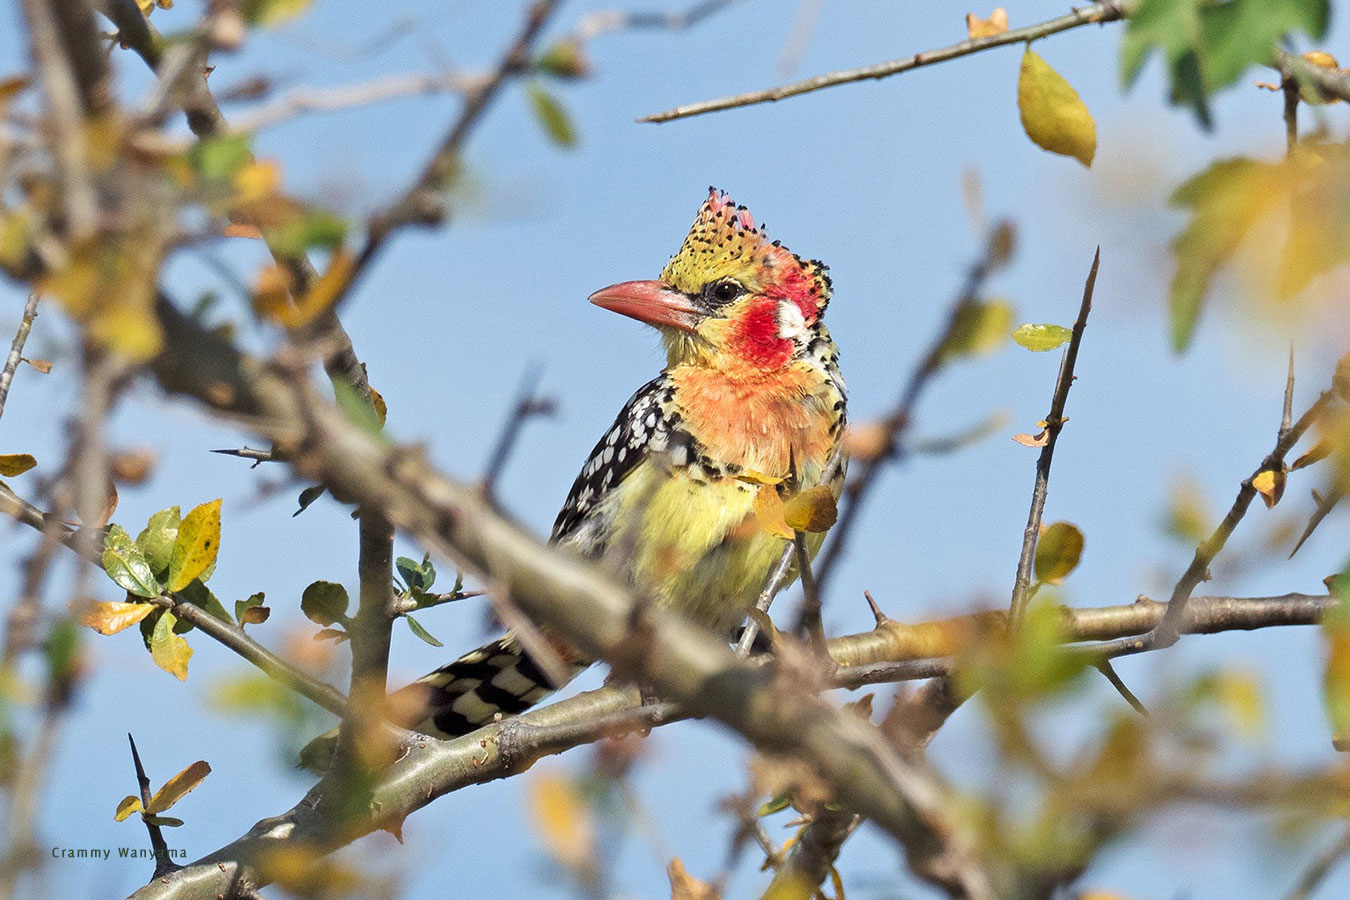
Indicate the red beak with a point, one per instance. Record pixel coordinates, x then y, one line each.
653 302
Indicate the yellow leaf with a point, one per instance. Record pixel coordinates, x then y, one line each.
997 23
1058 551
381 408
169 651
811 510
109 618
1269 483
1320 451
178 786
16 463
108 287
196 546
684 886
272 293
980 328
562 818
1322 59
769 512
42 365
256 181
1053 115
750 476
128 806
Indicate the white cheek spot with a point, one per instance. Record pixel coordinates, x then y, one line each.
791 323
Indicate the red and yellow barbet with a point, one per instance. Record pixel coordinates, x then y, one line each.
751 389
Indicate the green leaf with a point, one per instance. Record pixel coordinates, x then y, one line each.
126 565
273 12
357 409
551 116
156 539
169 651
1057 552
312 228
308 496
1053 115
421 632
1225 201
325 603
196 546
775 804
200 595
1041 337
1207 45
16 463
62 650
221 157
251 611
980 328
417 576
163 821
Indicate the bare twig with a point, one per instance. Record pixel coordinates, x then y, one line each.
163 863
16 348
1054 422
808 620
994 254
528 404
1170 628
1095 13
1316 873
601 21
310 99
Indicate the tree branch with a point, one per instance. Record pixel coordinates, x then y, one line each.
1054 423
16 348
1096 13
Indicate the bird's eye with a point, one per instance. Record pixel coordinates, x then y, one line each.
722 292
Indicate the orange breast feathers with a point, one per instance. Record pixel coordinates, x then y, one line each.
757 420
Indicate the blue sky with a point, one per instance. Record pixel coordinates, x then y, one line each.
866 177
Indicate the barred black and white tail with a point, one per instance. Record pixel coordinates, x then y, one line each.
498 678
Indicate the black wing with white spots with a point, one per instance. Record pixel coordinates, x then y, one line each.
648 424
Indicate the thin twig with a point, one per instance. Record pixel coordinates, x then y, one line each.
1170 628
527 405
16 349
1325 504
1096 13
993 255
1054 422
1321 866
808 620
310 99
602 21
163 863
231 636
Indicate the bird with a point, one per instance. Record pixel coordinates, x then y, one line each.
751 394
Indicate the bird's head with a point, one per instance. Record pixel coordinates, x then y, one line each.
730 299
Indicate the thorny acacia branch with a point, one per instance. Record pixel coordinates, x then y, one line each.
1169 629
1095 13
572 598
508 748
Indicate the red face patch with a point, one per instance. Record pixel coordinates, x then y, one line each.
755 338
